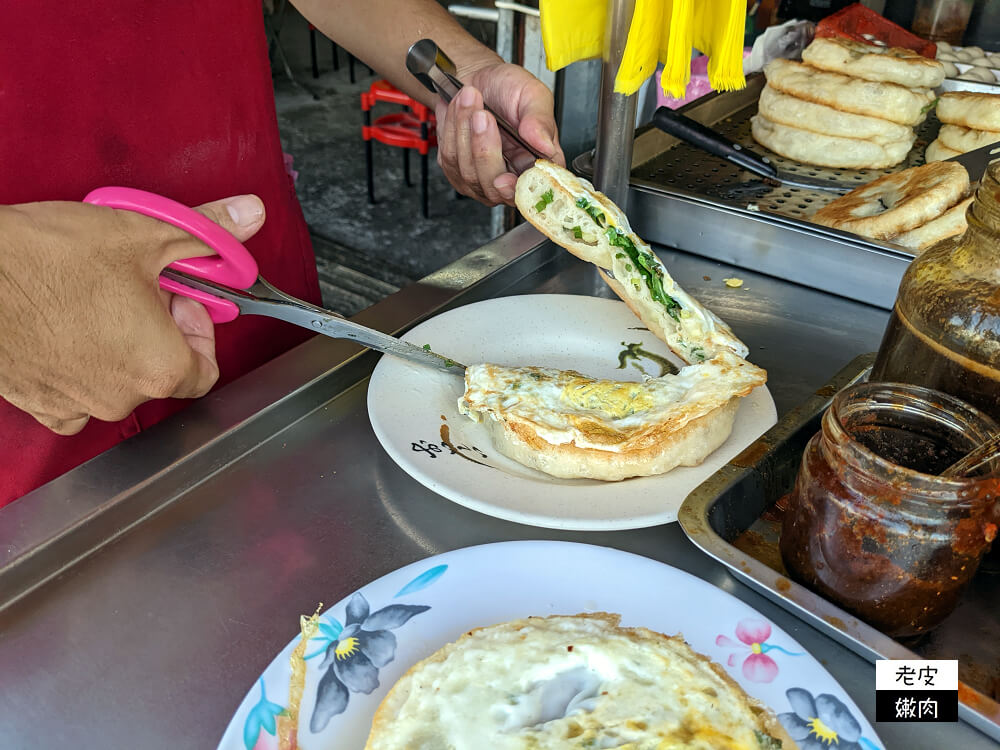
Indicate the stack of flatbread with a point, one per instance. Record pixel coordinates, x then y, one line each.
969 120
847 105
915 208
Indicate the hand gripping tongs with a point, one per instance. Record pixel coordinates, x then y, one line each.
435 70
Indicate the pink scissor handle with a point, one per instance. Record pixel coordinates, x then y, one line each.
232 266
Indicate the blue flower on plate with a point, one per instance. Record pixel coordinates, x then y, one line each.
355 655
261 716
822 722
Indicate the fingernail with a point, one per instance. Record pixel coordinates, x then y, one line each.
479 122
504 187
466 97
548 147
245 210
190 316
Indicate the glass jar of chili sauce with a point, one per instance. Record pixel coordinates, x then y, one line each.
944 331
870 524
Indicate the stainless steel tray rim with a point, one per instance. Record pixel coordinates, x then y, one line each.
790 224
809 607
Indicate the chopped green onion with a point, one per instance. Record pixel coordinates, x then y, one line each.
766 741
592 211
547 198
648 268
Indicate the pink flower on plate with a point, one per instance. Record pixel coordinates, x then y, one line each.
753 635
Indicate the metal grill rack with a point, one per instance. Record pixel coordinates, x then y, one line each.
679 192
683 166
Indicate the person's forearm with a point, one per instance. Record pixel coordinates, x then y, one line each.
381 31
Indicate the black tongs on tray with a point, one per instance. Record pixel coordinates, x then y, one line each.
703 137
975 162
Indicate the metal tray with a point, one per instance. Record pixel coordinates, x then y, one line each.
684 198
733 518
660 160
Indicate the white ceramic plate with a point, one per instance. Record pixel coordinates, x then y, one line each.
430 603
414 412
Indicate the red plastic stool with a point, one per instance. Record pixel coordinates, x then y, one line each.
413 128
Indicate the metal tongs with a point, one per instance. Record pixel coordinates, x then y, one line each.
975 459
975 162
435 70
713 142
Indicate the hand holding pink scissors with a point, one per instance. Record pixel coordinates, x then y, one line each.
229 284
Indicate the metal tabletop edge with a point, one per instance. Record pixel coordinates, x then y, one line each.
54 527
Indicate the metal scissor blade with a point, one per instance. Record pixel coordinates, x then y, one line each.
701 136
264 299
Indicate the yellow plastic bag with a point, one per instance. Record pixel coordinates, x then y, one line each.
675 48
642 50
572 30
661 31
718 32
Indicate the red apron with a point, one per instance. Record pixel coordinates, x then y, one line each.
173 97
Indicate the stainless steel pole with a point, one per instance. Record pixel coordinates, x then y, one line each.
616 112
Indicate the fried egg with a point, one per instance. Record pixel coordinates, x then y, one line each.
569 425
564 406
570 682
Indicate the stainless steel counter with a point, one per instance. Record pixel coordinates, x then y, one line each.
142 594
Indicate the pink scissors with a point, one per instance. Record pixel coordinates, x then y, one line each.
229 284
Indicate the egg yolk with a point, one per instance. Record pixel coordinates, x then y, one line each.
617 400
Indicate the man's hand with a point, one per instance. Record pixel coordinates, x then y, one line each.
85 330
471 147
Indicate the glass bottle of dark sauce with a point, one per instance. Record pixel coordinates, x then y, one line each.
944 332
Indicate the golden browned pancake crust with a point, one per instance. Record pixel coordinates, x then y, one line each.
819 118
574 427
952 222
970 109
888 101
937 151
899 202
962 139
889 64
807 147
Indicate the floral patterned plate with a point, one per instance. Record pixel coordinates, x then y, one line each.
369 639
414 412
